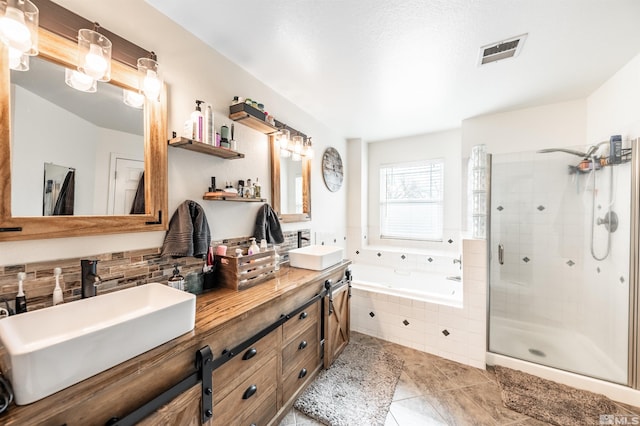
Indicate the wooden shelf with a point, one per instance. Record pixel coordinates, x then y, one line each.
249 116
232 198
203 148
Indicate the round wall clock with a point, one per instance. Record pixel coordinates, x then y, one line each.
332 170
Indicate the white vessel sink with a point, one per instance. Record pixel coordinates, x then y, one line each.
47 350
315 257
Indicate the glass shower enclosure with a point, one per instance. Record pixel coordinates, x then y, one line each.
560 226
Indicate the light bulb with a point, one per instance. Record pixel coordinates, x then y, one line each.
14 29
133 99
94 63
151 85
79 81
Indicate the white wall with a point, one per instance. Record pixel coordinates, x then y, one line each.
441 145
612 109
192 71
547 126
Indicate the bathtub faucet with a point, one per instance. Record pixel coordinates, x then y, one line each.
458 260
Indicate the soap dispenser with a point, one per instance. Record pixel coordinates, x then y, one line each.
57 291
177 280
253 248
21 299
198 122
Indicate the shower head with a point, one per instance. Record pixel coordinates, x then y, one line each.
568 151
586 155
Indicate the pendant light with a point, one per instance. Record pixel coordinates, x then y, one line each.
94 54
19 26
150 82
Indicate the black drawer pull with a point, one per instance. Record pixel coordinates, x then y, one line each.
250 354
303 315
302 373
251 390
302 345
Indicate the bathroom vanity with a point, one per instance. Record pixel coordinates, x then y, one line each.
267 344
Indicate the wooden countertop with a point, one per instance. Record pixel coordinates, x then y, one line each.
215 311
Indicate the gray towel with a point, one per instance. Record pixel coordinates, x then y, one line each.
268 226
188 233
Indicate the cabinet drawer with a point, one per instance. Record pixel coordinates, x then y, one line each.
264 413
293 327
227 377
248 396
299 347
298 375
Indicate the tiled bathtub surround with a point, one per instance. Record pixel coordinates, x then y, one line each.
458 334
118 270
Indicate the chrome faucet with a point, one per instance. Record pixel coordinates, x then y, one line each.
458 260
90 278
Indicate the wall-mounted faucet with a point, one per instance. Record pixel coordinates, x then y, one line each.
90 278
458 260
300 238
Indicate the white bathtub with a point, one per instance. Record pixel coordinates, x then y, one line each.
417 285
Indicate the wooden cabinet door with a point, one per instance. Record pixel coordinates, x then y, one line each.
337 326
184 410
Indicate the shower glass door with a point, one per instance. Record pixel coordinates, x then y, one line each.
560 242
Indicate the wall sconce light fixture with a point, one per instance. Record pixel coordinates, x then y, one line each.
296 147
150 82
19 31
19 26
94 54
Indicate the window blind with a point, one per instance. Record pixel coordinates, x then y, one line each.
411 200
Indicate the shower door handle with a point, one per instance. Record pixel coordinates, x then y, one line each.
501 254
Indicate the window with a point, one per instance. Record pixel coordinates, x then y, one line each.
411 200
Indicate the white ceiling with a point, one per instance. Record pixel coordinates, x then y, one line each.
379 69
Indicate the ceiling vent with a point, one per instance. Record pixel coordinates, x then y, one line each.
504 49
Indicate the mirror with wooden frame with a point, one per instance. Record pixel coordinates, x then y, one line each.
63 52
290 186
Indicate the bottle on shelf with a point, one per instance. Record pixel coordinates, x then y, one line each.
224 140
257 189
197 119
209 136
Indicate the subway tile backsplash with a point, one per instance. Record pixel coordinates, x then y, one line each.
117 270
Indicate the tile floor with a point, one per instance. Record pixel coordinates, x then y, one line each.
436 391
